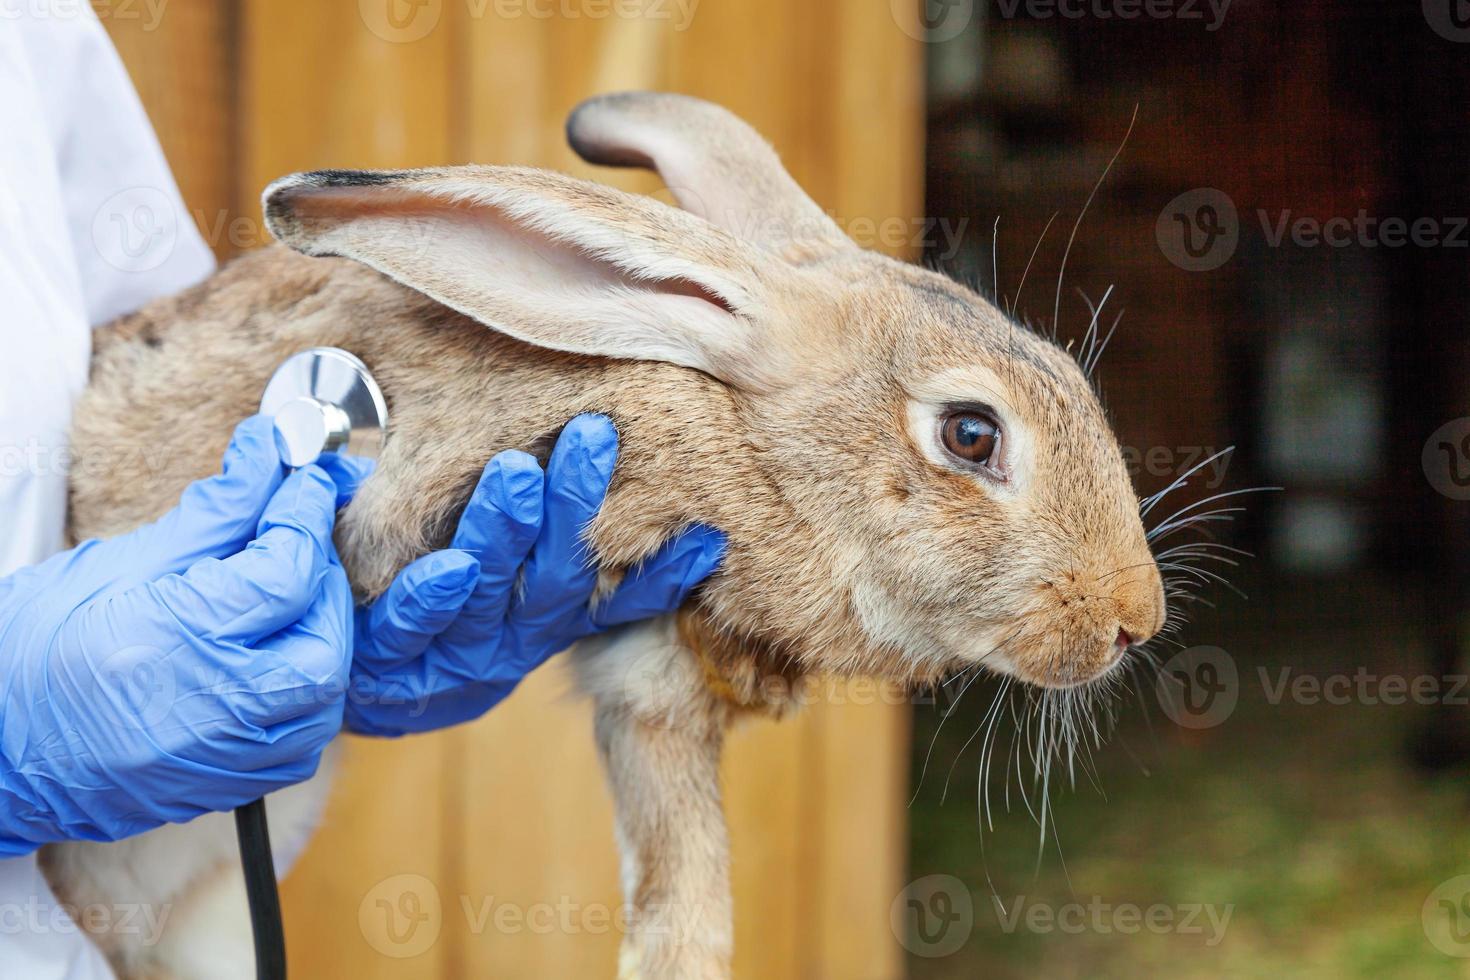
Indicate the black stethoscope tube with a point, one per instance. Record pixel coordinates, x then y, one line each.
322 399
260 890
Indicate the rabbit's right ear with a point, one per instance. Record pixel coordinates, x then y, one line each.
556 262
713 162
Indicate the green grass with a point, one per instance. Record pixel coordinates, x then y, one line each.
1304 819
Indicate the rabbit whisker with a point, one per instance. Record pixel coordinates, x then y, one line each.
1062 271
1026 271
1147 504
974 671
1091 365
944 794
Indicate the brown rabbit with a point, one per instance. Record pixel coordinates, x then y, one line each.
911 484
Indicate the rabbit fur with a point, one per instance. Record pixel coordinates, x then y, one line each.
766 376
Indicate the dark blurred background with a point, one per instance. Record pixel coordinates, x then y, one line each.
1286 791
1286 230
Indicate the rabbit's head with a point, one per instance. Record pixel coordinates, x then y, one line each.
955 470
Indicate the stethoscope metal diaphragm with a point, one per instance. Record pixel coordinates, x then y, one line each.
324 400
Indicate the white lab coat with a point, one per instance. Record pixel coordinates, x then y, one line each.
91 226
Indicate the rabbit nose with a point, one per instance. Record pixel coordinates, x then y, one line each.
1123 641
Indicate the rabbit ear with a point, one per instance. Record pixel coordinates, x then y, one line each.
714 164
550 260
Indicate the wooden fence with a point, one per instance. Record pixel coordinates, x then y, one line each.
499 834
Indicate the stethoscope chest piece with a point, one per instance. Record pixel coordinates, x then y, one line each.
324 400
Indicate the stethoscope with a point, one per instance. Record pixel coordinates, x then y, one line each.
323 400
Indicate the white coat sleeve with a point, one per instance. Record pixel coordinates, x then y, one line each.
133 238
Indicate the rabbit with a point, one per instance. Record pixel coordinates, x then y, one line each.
911 483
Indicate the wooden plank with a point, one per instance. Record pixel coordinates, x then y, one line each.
830 117
730 54
319 88
181 62
536 824
533 850
369 899
507 820
857 845
870 161
558 64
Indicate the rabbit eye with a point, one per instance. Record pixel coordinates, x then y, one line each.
972 436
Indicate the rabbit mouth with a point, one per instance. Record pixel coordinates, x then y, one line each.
1050 643
1059 659
1072 672
1082 626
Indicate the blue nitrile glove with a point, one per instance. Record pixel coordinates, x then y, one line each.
192 665
458 629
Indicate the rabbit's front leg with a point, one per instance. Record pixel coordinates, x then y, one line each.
660 733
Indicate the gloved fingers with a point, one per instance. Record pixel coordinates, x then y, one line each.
240 747
499 526
214 518
559 574
423 600
381 707
229 786
382 703
285 744
657 586
318 646
348 472
293 705
452 707
661 582
411 693
227 708
539 641
416 697
273 581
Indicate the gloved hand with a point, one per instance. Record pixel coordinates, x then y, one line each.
192 665
455 633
